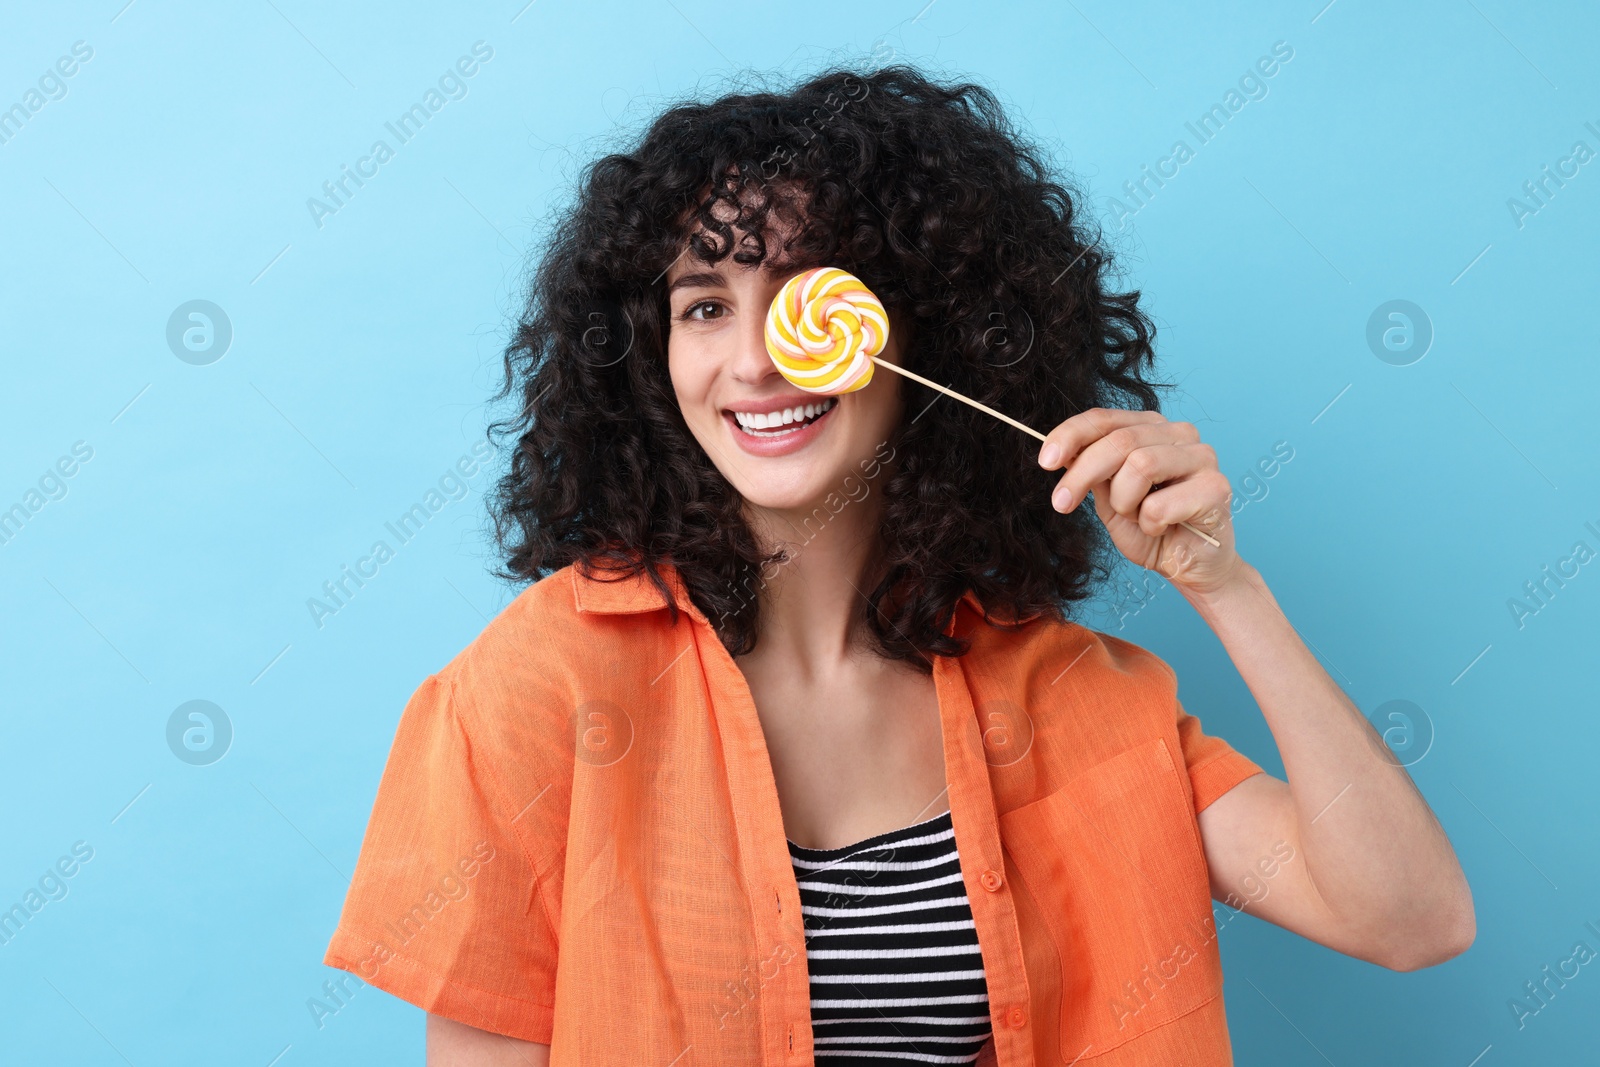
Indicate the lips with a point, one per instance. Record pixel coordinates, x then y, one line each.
779 441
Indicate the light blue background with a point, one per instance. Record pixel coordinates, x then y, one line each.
219 498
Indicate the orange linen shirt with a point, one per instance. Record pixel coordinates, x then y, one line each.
577 841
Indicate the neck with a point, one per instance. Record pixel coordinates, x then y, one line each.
812 607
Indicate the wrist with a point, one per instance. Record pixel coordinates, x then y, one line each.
1241 581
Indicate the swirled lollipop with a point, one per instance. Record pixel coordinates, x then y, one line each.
823 329
824 332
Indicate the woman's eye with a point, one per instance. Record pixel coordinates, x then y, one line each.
691 312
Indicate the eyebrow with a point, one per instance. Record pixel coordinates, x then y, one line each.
702 280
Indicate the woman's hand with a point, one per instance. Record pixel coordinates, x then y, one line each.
1147 475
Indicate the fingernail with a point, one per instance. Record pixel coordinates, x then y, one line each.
1062 499
1049 455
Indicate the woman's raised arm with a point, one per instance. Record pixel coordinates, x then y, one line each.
1357 860
453 1044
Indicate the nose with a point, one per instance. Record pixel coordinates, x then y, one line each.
751 364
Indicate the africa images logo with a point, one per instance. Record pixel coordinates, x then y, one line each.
451 85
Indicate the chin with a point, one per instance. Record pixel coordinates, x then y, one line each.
771 498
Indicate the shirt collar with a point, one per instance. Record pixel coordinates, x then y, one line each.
634 593
628 594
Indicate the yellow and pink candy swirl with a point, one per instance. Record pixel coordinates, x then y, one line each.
823 329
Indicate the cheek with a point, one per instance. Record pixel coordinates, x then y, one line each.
881 411
689 375
693 371
888 389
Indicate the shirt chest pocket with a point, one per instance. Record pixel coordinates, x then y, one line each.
1114 861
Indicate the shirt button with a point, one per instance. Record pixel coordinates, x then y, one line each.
991 881
1016 1018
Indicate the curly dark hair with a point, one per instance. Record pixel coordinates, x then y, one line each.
955 220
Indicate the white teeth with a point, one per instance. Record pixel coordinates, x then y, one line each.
750 421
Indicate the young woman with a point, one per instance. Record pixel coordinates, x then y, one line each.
789 752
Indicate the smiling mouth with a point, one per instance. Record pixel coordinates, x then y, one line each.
824 406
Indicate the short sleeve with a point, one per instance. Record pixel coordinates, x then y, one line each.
1214 765
444 910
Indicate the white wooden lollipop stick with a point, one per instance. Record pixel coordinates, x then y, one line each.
1207 538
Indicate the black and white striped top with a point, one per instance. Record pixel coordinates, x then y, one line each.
896 976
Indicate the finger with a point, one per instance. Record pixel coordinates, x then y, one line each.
1201 500
1073 435
1103 458
1102 506
1153 465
